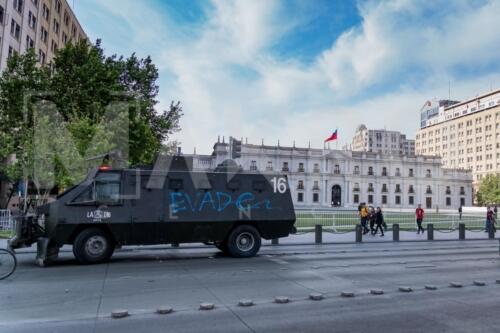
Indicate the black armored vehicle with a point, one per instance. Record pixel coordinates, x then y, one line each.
229 208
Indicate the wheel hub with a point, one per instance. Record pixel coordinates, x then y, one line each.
95 246
245 241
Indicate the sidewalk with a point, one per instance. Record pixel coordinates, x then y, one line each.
327 237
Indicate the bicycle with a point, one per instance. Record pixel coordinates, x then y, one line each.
8 263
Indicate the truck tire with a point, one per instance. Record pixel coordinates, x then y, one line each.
93 246
243 242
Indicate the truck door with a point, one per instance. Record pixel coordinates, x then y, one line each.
147 212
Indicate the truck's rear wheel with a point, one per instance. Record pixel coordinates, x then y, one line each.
92 246
243 242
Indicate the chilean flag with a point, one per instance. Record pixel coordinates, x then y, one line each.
332 137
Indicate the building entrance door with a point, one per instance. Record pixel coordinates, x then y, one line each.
336 196
428 202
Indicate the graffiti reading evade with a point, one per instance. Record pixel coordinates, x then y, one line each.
181 201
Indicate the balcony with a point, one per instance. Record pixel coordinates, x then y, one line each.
410 174
398 190
300 187
462 192
370 189
384 174
428 175
300 169
355 189
398 174
428 191
285 169
316 170
336 172
410 190
448 192
384 189
315 188
370 173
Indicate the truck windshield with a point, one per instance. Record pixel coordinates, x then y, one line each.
105 188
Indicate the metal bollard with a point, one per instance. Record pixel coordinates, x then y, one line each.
461 231
318 233
359 233
275 241
395 232
430 231
491 233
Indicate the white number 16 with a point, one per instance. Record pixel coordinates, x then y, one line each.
279 184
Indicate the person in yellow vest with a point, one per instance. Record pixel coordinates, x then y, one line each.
363 214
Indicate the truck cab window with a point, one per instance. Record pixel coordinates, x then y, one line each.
105 188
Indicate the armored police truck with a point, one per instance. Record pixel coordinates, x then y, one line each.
227 207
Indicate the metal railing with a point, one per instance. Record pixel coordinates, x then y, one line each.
6 220
346 220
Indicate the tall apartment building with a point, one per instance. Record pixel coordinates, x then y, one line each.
44 25
466 135
382 141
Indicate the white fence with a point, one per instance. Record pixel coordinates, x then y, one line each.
6 220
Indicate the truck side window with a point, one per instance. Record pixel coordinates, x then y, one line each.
105 188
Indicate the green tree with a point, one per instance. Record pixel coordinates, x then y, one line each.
94 95
489 190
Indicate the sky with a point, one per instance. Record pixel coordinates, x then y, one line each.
293 71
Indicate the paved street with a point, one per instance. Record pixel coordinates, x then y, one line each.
68 297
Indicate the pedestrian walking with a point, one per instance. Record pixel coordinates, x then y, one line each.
379 221
371 217
460 212
495 212
490 220
363 214
419 214
486 224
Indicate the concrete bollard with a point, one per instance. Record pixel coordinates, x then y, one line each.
318 233
395 232
359 233
491 233
275 241
461 231
430 231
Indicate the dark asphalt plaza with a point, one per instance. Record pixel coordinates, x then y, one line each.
67 297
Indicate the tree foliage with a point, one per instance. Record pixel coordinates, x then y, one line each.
489 190
94 95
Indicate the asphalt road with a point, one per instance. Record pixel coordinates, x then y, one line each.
67 297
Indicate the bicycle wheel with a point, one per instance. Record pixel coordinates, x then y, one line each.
8 263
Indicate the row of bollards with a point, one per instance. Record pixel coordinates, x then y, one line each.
318 233
315 296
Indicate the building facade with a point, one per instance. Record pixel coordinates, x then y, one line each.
44 25
382 141
321 178
466 135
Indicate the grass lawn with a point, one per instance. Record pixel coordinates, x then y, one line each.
344 221
5 234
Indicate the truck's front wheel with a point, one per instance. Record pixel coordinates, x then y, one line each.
92 246
243 242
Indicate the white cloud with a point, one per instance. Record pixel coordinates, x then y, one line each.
230 83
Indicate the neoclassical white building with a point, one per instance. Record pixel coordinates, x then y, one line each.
324 177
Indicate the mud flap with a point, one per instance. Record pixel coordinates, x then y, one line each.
45 253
